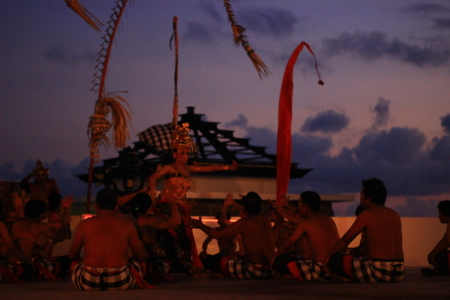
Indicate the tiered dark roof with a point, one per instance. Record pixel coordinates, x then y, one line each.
215 146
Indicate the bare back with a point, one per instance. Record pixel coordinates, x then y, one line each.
25 234
383 233
321 234
106 239
257 238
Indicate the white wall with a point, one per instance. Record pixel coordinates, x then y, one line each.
420 235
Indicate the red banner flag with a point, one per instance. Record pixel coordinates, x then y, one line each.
284 137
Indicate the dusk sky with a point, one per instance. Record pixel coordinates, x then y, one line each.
383 111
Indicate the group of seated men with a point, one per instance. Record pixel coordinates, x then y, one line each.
118 247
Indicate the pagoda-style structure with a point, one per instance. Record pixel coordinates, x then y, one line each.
257 169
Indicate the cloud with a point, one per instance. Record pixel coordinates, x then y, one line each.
327 121
273 22
442 23
425 8
66 56
381 111
210 9
375 45
199 33
445 123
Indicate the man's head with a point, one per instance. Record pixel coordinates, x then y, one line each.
106 199
309 199
252 203
140 204
374 190
54 202
34 209
444 211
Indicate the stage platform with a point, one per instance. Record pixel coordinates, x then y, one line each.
414 286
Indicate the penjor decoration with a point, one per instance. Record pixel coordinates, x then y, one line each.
106 102
284 137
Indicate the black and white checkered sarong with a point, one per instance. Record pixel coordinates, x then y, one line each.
238 268
96 279
309 270
366 270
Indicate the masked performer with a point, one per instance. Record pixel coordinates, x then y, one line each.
42 186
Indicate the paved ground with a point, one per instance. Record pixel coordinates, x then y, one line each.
414 286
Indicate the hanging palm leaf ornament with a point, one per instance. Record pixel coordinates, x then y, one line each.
99 125
84 14
241 39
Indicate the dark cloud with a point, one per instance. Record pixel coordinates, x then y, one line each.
425 8
441 149
211 11
199 33
375 45
327 121
66 56
397 146
445 123
381 111
442 23
273 22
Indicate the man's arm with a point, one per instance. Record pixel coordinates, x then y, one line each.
136 245
225 232
358 226
299 231
442 245
173 220
77 243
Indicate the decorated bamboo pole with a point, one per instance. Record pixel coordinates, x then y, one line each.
97 132
284 137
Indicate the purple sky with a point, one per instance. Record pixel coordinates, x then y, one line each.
383 111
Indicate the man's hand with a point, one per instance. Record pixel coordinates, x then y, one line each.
196 223
67 202
229 200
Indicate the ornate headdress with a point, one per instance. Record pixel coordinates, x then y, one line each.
40 167
181 138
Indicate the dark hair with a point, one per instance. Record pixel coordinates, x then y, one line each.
444 207
34 208
54 201
375 190
139 204
311 199
106 199
252 203
359 209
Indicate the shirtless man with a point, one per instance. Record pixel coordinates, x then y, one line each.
257 240
148 223
26 232
106 239
439 257
383 235
12 272
320 233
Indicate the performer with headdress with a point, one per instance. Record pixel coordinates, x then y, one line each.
178 244
42 186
